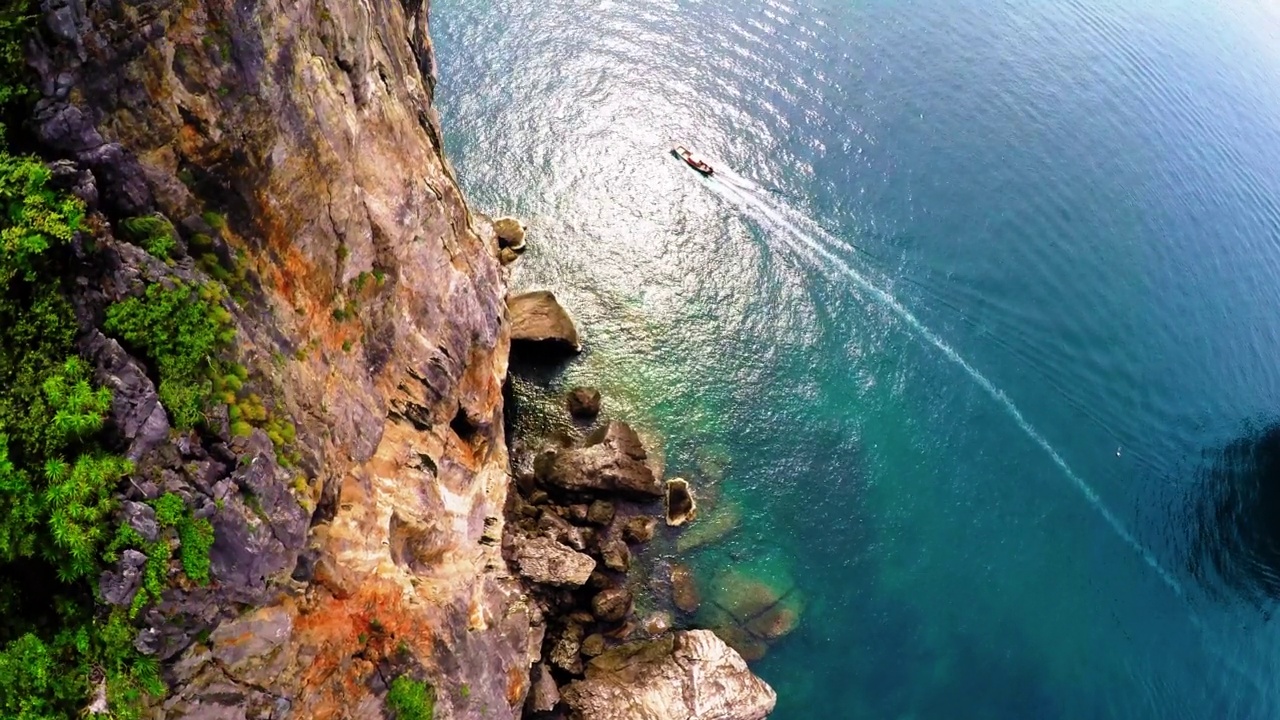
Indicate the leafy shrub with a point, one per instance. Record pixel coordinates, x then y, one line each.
180 332
153 232
411 699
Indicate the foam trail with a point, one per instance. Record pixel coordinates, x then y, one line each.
739 191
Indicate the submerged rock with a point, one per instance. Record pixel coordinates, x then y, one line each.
718 525
549 562
684 589
750 613
680 505
683 676
584 403
612 459
537 317
655 624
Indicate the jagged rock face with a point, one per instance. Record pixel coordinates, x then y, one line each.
684 676
611 460
310 127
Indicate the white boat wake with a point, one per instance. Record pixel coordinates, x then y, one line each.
808 239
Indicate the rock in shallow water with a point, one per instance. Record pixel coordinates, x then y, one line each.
510 233
584 403
684 590
537 317
639 529
680 505
684 676
612 459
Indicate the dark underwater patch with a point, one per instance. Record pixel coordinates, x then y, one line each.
1236 516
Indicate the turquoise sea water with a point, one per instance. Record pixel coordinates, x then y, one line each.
982 296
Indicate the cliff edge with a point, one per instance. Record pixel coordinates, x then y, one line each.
295 144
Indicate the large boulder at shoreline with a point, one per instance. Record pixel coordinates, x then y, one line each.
537 317
683 676
510 233
611 460
549 562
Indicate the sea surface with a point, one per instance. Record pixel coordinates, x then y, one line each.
975 329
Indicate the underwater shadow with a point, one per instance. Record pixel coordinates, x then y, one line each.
1236 515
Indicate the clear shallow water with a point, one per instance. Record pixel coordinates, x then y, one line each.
988 291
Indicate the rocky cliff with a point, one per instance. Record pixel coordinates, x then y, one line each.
295 147
301 334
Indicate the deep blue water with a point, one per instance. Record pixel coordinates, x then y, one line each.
980 318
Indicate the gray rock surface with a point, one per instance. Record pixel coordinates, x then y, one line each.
546 561
118 586
543 693
612 459
689 675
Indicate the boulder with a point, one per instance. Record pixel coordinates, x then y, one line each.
593 645
118 586
655 624
506 256
559 529
510 233
611 460
682 676
547 561
616 555
537 317
567 648
639 529
600 513
612 604
680 505
684 590
543 693
584 403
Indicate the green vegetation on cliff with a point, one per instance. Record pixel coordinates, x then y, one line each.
411 699
57 481
180 330
63 653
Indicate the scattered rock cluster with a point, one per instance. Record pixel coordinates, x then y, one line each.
573 522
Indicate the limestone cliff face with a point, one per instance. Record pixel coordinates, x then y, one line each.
375 314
